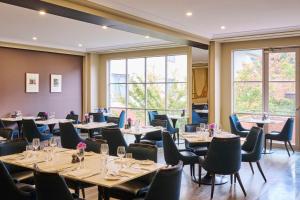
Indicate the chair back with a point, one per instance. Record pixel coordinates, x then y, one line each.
224 156
122 119
30 130
98 117
166 184
50 186
143 151
69 136
74 117
159 122
6 133
191 128
235 124
114 138
2 124
166 118
197 119
43 115
8 188
171 153
254 143
286 133
151 115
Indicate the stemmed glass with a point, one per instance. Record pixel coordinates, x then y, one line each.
202 127
36 143
80 155
121 151
104 149
53 144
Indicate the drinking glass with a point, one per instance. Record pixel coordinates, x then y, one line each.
121 151
137 125
128 155
198 130
53 142
28 151
36 143
202 127
104 149
80 155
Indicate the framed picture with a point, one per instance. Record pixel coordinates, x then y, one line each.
32 82
56 83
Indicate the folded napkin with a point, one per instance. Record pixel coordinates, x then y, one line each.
82 173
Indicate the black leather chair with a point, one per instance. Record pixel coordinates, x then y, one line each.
166 184
172 130
236 127
199 149
6 133
114 138
137 187
252 148
120 121
11 190
155 137
5 130
285 135
173 155
98 116
74 117
12 147
51 186
43 128
30 131
224 158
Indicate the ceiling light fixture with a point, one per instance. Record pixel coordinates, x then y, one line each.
223 27
34 38
42 12
104 27
189 14
80 45
147 36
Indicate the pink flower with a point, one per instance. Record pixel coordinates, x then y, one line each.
212 126
81 145
129 119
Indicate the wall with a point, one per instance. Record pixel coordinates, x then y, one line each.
226 70
14 63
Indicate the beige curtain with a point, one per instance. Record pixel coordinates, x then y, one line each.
200 85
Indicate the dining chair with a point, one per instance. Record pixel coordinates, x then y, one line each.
252 148
12 147
236 126
120 121
2 124
30 131
98 116
166 184
197 119
6 133
151 115
50 186
224 158
43 116
173 155
172 130
14 133
155 137
114 138
200 148
285 135
73 117
137 187
9 189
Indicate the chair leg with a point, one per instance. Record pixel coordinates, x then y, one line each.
291 146
271 141
178 138
191 170
212 185
234 178
265 146
261 171
231 177
251 167
240 182
287 149
83 193
77 191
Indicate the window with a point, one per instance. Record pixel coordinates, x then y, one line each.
149 83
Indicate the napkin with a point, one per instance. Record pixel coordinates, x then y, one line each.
131 171
82 173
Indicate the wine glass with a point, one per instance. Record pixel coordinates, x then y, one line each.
104 149
53 142
36 143
80 155
28 151
128 155
121 151
202 127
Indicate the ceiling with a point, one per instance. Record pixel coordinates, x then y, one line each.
241 17
21 25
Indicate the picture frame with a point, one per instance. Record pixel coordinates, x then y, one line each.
55 83
32 82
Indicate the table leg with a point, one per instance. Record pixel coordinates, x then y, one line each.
137 138
174 121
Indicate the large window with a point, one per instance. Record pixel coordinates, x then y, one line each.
149 83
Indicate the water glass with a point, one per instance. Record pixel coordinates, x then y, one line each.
36 143
28 151
128 155
121 151
80 155
53 142
202 127
198 130
104 149
137 125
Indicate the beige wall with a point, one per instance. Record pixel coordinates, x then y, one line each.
226 69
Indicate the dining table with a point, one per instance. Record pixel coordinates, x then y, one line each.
52 122
141 131
204 138
92 126
18 120
100 170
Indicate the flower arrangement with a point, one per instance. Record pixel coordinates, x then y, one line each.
212 126
81 145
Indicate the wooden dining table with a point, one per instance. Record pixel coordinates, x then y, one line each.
100 170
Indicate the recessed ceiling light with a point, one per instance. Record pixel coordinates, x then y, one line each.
147 36
42 12
34 38
104 27
189 14
223 27
80 45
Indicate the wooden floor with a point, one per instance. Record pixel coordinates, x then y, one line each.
282 173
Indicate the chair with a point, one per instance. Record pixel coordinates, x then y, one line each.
173 155
98 117
12 147
236 127
252 148
199 149
43 116
197 119
11 190
166 184
224 158
4 130
170 128
137 187
118 120
2 124
114 138
285 135
155 137
50 186
30 131
151 115
74 117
